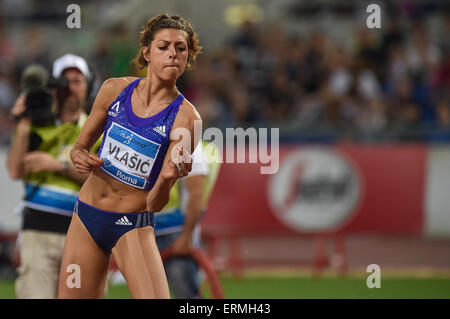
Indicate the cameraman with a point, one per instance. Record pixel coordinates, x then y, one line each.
39 155
75 74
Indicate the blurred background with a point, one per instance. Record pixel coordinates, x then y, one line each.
364 122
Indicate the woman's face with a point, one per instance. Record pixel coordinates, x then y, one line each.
168 54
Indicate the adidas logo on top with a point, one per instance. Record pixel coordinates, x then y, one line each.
124 221
161 130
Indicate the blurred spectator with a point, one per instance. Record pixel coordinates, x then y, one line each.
422 55
178 225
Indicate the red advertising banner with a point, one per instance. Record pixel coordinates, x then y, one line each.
341 188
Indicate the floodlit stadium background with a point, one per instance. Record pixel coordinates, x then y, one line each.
364 123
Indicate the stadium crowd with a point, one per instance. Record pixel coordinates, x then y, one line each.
391 84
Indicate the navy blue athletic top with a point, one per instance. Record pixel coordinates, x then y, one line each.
133 148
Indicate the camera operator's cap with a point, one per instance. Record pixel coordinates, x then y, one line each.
70 61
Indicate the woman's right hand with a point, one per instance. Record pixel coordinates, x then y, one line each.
83 161
178 166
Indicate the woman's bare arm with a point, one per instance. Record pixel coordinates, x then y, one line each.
182 139
84 161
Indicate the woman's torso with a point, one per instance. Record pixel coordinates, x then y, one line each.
133 150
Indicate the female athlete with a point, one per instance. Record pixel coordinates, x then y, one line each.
135 168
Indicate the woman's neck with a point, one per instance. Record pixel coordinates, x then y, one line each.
154 90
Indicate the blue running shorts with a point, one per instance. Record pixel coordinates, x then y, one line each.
107 227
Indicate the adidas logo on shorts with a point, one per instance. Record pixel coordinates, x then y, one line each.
161 130
124 221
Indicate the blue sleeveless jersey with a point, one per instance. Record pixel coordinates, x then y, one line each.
133 148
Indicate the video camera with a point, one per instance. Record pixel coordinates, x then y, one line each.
37 85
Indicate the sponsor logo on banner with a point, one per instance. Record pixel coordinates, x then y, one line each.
316 189
128 156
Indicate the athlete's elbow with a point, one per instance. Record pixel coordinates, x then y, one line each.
157 205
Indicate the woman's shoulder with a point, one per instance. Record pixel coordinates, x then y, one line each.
111 88
189 110
118 84
188 113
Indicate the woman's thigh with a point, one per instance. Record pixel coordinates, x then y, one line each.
138 258
84 265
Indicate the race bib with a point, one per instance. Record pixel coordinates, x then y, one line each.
128 156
